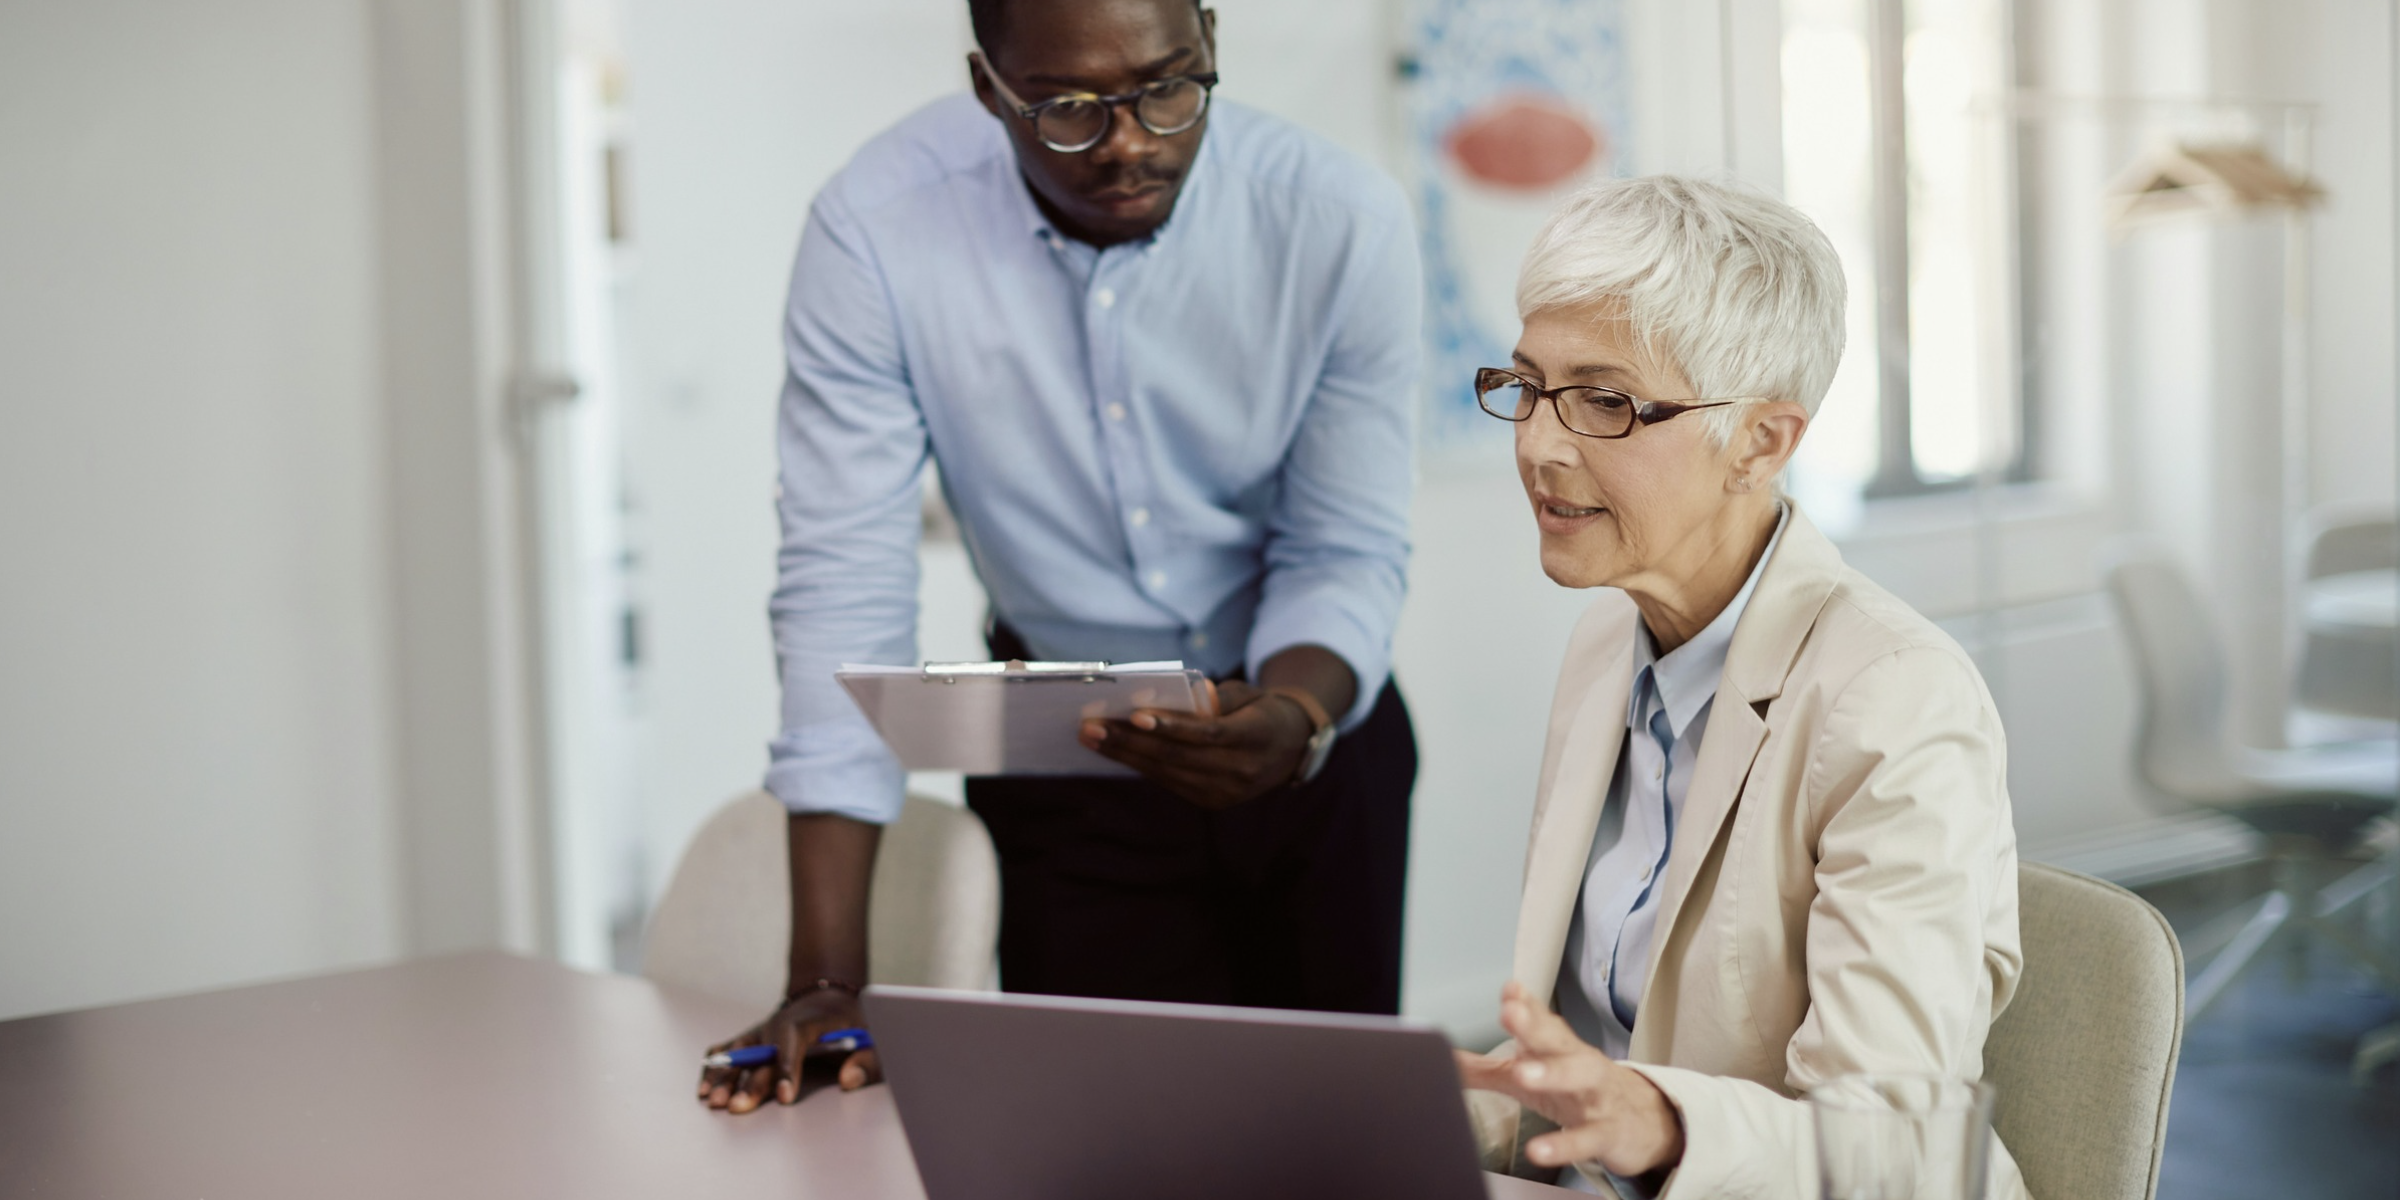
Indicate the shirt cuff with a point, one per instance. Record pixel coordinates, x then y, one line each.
1368 657
1626 1189
841 768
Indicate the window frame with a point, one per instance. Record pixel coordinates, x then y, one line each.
1897 472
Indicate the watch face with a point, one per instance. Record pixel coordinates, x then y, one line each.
1320 748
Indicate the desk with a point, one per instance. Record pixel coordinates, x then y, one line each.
479 1075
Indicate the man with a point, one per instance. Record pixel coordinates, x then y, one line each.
1164 358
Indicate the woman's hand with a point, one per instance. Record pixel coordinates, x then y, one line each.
1604 1111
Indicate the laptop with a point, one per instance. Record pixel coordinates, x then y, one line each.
1055 1098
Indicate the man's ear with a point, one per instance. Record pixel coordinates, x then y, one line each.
1208 33
983 87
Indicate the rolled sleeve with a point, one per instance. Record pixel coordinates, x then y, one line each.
1337 541
852 447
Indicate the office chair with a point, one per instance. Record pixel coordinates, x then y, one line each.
724 925
2312 807
2347 669
2084 1055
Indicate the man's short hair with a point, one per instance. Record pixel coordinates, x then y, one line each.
990 19
1736 288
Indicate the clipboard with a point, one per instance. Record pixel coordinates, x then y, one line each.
1013 718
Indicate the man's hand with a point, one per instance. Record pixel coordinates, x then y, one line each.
1251 748
831 863
1252 745
791 1029
1604 1111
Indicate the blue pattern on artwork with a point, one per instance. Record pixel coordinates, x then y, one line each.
1467 52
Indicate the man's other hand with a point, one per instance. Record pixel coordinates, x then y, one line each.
791 1029
1252 747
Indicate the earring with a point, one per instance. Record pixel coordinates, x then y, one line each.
1744 483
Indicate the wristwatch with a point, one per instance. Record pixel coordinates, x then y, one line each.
1320 743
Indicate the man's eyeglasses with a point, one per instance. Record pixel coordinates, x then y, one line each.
1591 411
1078 121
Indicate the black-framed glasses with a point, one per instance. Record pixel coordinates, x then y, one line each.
1591 411
1078 121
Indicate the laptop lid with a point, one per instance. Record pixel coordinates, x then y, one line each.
1057 1098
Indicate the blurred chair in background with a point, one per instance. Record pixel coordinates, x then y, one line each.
2350 600
2313 807
2084 1056
724 925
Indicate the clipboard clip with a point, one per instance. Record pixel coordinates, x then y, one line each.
1015 666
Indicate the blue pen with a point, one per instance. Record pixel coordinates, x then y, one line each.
839 1041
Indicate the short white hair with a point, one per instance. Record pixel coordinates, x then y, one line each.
1736 288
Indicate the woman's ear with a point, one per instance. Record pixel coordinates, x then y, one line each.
1769 435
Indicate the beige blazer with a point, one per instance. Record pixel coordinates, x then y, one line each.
1842 895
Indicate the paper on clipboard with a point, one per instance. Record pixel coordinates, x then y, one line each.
1013 718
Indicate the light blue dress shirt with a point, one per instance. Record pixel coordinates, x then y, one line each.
1608 943
1196 446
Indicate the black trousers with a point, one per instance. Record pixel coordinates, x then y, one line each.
1114 887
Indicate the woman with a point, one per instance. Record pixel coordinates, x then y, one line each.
1772 844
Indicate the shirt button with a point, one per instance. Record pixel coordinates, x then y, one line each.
1158 579
1199 641
1116 412
1646 872
1105 297
1141 517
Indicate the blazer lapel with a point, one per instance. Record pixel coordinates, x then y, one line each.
1735 732
1766 641
1563 822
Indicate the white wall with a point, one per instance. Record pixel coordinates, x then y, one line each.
2343 62
739 110
262 698
195 763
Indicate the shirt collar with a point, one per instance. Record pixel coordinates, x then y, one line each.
1685 679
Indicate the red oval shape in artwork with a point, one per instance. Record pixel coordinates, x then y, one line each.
1527 141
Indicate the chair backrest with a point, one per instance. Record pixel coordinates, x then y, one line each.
2351 537
2084 1055
725 923
2179 743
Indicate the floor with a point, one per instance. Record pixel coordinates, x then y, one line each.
2264 1105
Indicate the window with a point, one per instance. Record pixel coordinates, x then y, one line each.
1896 144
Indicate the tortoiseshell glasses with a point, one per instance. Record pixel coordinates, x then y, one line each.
1591 411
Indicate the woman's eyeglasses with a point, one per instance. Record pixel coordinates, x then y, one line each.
1591 411
1078 121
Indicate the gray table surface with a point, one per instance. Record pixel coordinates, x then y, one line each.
467 1076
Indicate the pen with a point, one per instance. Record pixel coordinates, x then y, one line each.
839 1041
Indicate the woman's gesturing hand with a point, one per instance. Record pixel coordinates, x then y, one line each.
1605 1112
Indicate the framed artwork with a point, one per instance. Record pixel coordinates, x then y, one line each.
1512 104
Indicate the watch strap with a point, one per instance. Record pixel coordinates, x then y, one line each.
1318 718
1320 740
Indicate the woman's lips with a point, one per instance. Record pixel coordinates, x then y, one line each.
1558 516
